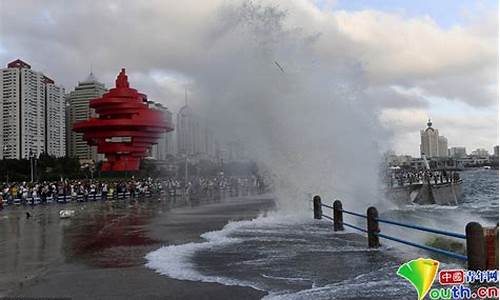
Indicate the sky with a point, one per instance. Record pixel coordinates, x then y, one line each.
412 60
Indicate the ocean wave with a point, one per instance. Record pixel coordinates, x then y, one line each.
288 258
369 284
175 260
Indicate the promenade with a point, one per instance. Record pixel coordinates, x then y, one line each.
99 253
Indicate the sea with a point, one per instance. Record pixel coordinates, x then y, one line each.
296 257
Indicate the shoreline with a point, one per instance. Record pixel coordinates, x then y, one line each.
105 246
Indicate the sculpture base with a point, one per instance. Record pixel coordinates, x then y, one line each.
121 165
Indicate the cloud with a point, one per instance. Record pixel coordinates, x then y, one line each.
416 52
459 62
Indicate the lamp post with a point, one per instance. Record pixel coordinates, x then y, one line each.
185 157
185 169
92 170
5 148
35 168
31 164
185 176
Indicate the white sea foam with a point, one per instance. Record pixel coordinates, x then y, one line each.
306 236
363 285
175 261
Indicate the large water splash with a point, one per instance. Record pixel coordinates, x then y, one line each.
264 82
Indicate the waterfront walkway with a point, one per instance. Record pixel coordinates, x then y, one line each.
99 254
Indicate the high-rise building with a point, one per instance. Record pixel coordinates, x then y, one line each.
442 146
479 152
431 143
32 113
79 110
55 119
189 132
458 152
164 145
495 151
209 143
194 137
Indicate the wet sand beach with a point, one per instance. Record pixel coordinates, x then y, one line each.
99 253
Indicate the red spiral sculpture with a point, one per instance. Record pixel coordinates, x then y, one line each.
126 127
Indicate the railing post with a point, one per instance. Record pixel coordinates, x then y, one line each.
491 240
476 250
372 227
317 207
338 221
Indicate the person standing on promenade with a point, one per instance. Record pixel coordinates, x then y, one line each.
104 192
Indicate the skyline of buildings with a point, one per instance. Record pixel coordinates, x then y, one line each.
434 145
32 113
480 152
37 117
458 152
431 143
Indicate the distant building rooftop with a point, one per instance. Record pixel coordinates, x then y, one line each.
18 64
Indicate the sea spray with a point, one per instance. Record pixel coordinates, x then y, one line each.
261 82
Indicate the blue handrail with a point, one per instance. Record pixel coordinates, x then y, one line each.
353 213
327 217
429 248
415 227
422 228
330 207
354 227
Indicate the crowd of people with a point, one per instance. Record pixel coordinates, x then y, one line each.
403 177
33 193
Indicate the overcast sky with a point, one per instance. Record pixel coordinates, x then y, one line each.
416 59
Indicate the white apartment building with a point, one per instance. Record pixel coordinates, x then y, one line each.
55 120
79 110
32 113
442 146
431 143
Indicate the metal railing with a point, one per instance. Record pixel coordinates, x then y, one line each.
425 247
422 228
474 233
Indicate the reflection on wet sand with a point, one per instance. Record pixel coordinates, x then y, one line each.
102 234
